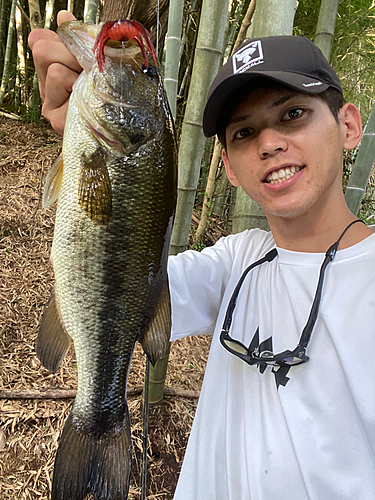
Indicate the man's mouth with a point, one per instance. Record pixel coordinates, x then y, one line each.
282 174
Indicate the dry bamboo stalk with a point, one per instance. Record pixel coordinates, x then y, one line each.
71 393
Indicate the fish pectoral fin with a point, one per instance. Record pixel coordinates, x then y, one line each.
53 341
95 193
53 182
155 341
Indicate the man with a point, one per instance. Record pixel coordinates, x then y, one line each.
287 404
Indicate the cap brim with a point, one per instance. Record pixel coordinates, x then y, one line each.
223 92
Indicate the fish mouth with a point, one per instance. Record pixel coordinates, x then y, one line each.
122 31
283 173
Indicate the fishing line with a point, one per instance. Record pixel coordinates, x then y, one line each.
145 430
147 370
157 28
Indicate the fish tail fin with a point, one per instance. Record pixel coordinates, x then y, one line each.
85 464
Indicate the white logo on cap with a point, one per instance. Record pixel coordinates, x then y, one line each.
248 56
312 84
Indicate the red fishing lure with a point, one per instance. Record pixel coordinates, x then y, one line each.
122 31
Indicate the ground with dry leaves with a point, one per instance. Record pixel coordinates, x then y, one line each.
30 428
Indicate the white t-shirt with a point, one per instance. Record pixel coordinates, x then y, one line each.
313 438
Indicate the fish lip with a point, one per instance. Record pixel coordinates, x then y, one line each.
278 167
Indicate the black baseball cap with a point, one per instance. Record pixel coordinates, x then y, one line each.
293 61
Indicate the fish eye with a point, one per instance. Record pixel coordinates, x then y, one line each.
150 71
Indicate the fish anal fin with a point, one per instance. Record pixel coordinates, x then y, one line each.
86 463
53 341
155 340
53 182
95 193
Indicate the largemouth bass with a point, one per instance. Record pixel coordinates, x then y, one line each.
116 190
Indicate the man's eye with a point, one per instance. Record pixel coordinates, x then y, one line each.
242 134
292 114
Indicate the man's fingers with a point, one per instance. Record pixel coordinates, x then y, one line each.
59 83
47 52
63 16
57 117
40 34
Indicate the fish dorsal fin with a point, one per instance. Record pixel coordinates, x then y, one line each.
95 193
155 340
53 182
53 341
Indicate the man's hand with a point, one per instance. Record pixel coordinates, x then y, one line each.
57 70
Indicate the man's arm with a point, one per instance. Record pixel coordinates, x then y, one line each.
57 70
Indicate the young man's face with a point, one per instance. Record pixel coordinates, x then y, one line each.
285 150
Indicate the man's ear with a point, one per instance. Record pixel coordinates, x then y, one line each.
231 175
350 117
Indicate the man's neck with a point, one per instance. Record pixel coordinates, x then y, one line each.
317 234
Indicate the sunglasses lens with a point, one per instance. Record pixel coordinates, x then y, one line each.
293 360
233 346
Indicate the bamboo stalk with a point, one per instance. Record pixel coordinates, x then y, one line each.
8 51
91 9
172 54
272 17
207 57
3 24
158 372
49 11
362 167
325 28
217 148
216 155
71 393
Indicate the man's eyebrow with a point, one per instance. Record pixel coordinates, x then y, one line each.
238 119
283 99
279 102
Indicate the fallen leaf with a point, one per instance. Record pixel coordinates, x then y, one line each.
3 440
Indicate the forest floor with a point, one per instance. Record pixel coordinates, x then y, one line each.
30 428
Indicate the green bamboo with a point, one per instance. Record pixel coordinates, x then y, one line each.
325 28
221 188
3 28
35 15
236 12
172 55
36 23
272 17
157 378
362 167
91 9
217 148
206 64
49 11
8 51
158 372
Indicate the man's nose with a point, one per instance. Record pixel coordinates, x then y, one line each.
270 142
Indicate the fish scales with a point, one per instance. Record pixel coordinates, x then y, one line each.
109 258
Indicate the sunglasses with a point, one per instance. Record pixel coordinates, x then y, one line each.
252 355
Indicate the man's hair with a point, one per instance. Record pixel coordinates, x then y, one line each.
332 97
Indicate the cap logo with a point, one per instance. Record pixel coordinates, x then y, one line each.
312 84
248 56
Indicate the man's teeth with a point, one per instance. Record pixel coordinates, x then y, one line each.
282 174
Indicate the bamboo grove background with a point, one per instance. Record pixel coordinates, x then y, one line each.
193 38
